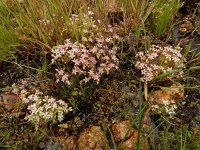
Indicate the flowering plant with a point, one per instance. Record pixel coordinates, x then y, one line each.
158 60
45 109
167 100
91 57
165 109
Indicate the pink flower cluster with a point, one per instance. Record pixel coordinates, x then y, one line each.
91 57
158 60
91 29
91 63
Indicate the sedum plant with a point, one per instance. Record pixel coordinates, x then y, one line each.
165 109
44 109
160 60
91 56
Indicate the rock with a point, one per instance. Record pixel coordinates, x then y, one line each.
146 120
119 131
50 145
167 96
70 143
196 130
166 100
93 139
10 102
67 142
130 144
176 90
186 26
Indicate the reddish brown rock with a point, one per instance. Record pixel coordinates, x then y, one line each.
146 120
10 102
130 144
67 142
119 131
167 96
196 130
185 27
93 139
70 143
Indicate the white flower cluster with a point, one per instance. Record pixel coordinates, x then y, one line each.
169 109
158 60
45 110
93 56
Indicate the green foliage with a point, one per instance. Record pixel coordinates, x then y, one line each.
163 15
8 41
139 11
39 25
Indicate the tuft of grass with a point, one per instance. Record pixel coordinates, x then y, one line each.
163 15
38 25
8 40
8 43
138 11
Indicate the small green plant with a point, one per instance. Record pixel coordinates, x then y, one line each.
182 136
163 15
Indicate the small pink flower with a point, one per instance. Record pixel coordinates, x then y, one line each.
93 60
60 72
105 58
76 62
82 60
114 58
71 54
101 70
84 55
94 50
64 77
91 72
107 69
85 80
75 71
102 51
96 76
108 39
111 65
